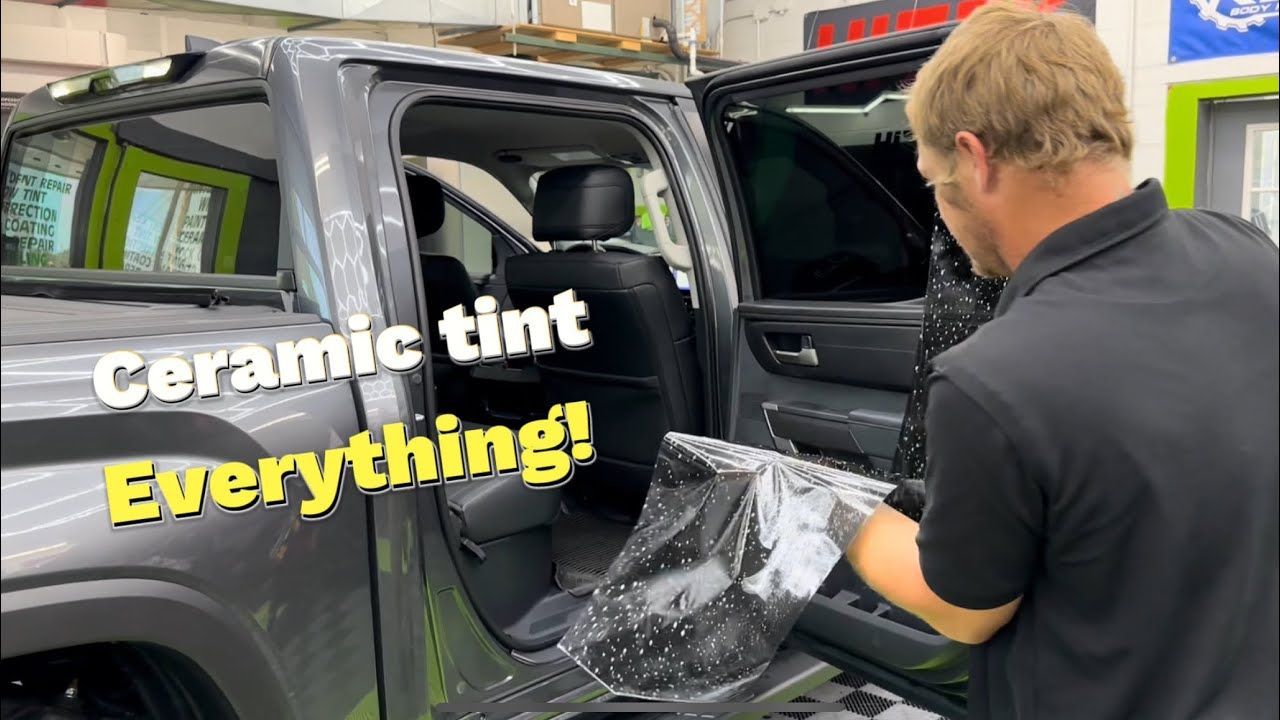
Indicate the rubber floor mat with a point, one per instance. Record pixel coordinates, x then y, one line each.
583 546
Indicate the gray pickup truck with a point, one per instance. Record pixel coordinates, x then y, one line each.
753 249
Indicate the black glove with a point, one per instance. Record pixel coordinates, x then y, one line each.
908 499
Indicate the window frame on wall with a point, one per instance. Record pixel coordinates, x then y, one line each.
1182 127
1252 132
175 197
136 162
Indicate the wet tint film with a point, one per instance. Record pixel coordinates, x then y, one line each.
732 543
733 540
956 304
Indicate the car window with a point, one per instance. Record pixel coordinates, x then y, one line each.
42 185
481 188
464 237
834 207
185 191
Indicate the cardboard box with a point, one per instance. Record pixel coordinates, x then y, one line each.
562 13
632 17
596 15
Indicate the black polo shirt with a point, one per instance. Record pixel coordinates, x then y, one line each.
1106 449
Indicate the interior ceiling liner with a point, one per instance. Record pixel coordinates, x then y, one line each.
734 540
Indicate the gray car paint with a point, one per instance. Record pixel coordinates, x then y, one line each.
201 586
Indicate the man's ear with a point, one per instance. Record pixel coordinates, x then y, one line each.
973 156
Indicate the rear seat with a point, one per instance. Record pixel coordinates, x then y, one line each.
494 508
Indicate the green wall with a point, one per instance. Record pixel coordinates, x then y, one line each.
1182 118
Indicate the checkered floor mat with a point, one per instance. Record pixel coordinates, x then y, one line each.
861 699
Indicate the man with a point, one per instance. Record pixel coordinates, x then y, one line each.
1102 466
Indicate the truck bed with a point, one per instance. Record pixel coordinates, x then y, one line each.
27 320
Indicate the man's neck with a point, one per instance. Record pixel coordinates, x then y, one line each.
1041 207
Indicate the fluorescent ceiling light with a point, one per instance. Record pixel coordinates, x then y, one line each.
846 109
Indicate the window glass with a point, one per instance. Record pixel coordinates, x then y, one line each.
169 225
186 191
1262 179
462 237
41 187
834 206
482 188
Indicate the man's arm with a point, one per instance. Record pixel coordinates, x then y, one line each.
964 568
885 554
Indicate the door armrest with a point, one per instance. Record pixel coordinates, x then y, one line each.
875 431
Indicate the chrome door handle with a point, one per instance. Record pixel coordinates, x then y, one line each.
806 356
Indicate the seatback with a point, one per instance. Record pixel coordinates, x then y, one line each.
640 374
444 277
446 283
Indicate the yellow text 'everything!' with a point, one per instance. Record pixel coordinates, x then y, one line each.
545 451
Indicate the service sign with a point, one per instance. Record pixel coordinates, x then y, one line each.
34 200
1205 29
873 19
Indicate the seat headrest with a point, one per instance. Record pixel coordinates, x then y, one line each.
583 202
426 199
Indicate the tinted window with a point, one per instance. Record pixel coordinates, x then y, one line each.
834 206
188 191
463 237
42 185
170 224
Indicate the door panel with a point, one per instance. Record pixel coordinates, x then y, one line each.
848 403
831 224
853 354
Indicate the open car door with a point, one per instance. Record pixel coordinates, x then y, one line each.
832 227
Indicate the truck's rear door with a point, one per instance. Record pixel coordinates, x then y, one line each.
832 227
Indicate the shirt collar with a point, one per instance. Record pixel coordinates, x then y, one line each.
1086 237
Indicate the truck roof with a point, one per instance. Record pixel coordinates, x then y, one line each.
256 58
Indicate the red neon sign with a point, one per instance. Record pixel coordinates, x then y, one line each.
884 17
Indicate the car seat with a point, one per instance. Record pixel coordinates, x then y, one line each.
640 374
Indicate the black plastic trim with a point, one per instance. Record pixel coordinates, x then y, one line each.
816 311
151 611
144 104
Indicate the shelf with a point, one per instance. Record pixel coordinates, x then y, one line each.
572 46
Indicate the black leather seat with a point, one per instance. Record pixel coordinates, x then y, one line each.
447 283
640 375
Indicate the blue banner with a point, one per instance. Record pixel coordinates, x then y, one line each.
1204 29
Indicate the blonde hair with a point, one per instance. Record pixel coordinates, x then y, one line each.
1039 89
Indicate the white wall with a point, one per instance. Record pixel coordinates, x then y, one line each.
1135 31
42 43
762 29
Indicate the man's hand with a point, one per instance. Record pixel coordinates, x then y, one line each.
885 554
